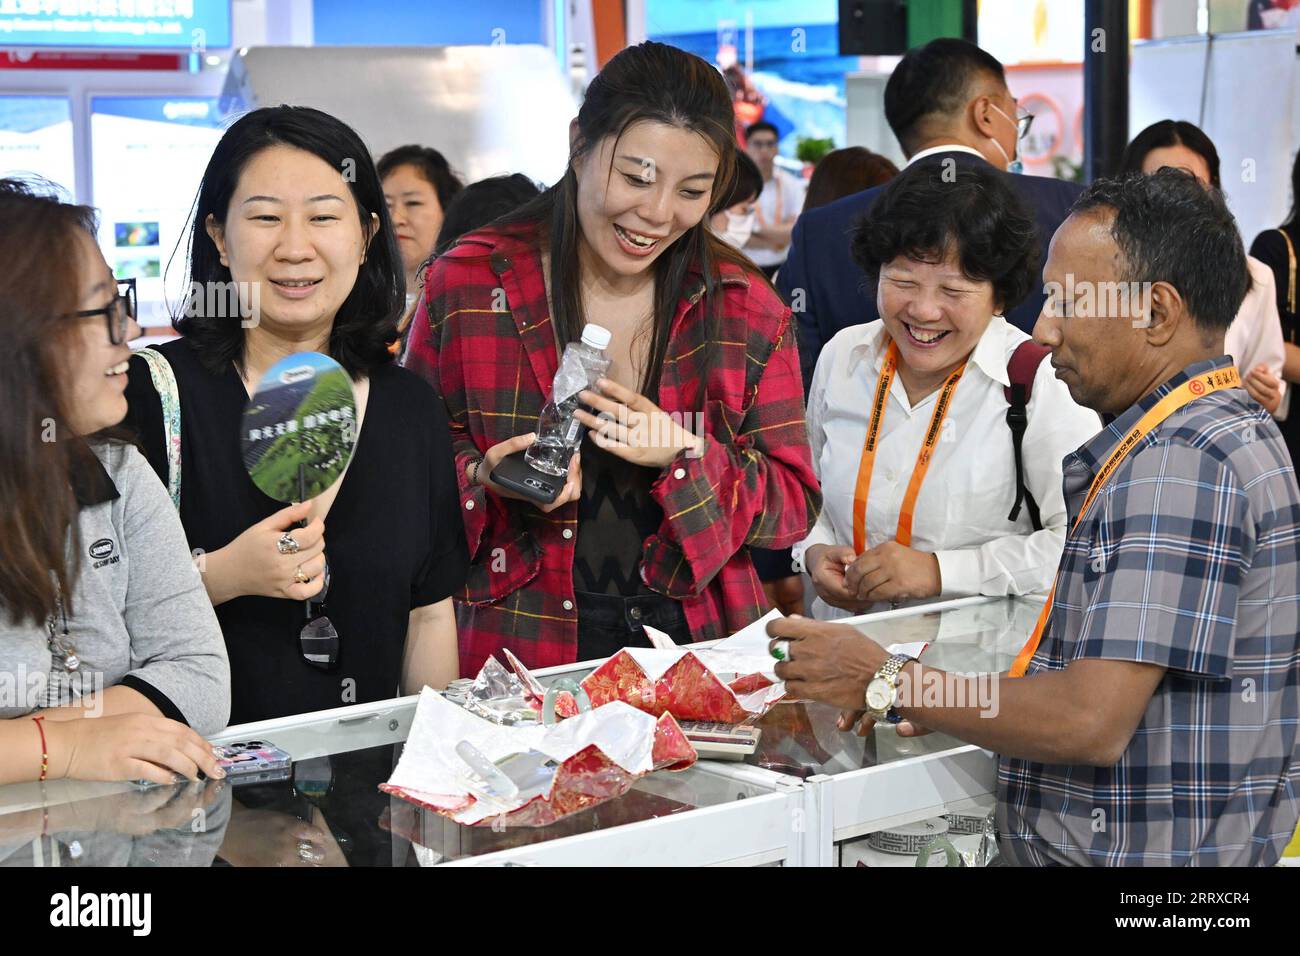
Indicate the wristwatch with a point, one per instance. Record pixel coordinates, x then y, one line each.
883 689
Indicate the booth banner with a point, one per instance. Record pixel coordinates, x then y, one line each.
584 761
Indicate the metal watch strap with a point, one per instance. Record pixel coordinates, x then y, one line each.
889 671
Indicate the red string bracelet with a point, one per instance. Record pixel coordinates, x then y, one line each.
45 753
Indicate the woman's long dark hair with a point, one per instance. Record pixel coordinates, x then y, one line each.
1167 133
366 322
39 450
1295 191
478 205
659 83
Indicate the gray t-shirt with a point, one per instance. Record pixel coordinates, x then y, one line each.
139 613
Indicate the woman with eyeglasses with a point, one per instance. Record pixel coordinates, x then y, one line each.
111 659
293 251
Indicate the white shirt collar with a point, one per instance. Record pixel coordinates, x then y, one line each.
950 148
989 354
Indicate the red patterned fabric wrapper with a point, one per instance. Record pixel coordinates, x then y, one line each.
671 751
688 690
586 779
749 684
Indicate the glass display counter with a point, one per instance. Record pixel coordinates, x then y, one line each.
328 811
807 788
861 785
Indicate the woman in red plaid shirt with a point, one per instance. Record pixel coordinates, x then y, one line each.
668 493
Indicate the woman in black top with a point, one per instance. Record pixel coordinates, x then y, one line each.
1278 249
293 251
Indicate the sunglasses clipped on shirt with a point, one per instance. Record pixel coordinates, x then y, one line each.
318 641
118 314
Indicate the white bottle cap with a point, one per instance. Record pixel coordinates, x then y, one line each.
597 336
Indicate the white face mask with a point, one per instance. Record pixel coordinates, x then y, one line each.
739 228
1014 165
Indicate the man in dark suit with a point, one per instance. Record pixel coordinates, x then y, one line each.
947 102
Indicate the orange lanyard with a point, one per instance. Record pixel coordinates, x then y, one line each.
904 534
780 206
1194 388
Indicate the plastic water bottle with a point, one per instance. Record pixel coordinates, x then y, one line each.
558 432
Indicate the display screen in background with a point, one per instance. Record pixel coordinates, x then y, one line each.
780 57
36 140
195 25
148 156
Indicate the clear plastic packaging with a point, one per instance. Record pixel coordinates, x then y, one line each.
496 695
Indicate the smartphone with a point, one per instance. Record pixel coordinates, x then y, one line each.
252 757
515 473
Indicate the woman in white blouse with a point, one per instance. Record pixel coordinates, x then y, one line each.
907 415
1254 339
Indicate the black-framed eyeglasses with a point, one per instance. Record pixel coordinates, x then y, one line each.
119 314
1024 120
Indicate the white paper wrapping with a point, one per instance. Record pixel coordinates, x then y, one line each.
430 770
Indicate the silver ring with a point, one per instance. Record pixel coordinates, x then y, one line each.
287 544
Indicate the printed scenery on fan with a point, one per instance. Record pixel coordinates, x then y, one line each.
302 418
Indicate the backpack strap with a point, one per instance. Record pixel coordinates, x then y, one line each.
164 383
1290 285
1021 370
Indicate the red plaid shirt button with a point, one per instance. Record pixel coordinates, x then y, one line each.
567 532
568 605
679 473
469 505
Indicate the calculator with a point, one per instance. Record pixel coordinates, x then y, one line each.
718 741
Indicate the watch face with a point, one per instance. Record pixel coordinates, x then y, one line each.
879 694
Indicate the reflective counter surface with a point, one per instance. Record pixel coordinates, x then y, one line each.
328 811
802 739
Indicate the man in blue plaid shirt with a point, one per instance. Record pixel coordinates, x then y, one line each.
1157 722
